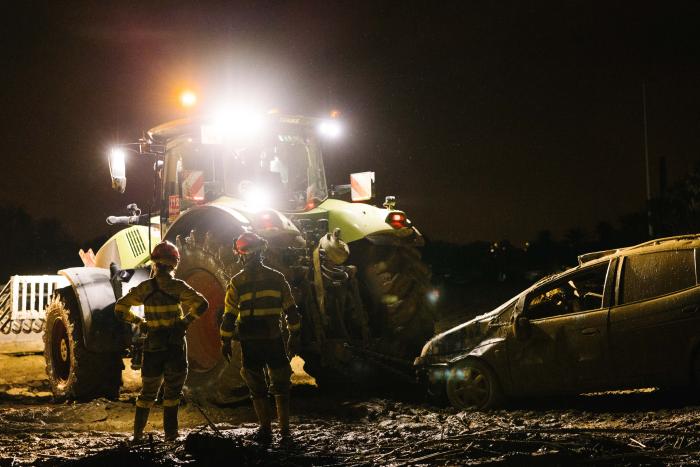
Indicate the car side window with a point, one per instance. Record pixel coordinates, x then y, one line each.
574 293
655 274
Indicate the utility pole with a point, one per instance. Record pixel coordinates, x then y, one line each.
646 158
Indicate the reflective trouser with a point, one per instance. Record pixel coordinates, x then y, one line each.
259 354
169 365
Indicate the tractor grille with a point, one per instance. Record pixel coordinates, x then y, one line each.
135 243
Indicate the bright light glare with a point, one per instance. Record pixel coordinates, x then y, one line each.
257 198
239 123
330 129
117 162
188 98
433 296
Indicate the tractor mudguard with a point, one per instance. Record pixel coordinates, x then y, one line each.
359 221
94 294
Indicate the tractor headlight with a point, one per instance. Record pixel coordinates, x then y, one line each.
256 196
330 129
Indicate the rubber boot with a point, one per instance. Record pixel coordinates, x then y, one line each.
282 403
170 423
263 411
140 420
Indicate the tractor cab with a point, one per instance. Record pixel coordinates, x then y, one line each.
266 162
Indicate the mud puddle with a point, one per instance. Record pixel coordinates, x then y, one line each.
350 428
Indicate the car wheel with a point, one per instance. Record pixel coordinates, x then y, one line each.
472 385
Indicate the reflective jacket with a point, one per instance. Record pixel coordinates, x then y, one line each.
256 300
163 298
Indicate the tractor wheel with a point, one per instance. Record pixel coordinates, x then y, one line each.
394 284
208 272
472 385
207 266
73 371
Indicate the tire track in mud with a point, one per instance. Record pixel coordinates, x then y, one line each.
340 430
352 428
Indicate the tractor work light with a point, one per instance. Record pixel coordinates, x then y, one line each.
330 129
232 125
398 220
188 98
117 168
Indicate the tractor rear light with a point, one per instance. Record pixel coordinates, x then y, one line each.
268 221
398 220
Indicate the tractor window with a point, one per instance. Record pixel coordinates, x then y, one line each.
287 175
198 174
580 291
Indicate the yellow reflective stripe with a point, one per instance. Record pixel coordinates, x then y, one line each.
261 312
160 323
294 327
161 308
171 402
144 404
261 294
226 333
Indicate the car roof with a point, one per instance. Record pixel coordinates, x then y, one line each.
678 242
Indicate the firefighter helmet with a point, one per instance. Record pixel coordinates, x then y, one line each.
248 243
166 253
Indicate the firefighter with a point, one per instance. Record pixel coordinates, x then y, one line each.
258 299
165 352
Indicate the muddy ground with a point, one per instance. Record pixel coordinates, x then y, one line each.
347 428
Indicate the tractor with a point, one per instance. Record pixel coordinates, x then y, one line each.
354 268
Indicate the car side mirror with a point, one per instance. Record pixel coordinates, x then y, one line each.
522 327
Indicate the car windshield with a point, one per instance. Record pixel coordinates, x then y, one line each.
286 173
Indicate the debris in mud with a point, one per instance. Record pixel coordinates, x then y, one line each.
381 432
354 429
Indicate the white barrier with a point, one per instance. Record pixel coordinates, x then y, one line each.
22 311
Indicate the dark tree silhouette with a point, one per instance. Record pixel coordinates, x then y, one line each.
33 247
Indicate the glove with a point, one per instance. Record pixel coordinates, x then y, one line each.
226 350
143 326
294 344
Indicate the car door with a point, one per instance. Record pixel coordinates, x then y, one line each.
656 318
564 348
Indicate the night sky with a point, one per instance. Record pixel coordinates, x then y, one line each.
488 120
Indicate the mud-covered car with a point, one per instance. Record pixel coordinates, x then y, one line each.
621 319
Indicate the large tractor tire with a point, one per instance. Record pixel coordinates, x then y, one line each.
73 371
207 265
394 283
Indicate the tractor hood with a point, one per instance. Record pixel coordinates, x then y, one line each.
267 221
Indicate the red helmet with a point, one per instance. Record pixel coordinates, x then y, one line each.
166 253
248 243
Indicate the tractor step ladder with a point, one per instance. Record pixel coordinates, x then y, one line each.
22 311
